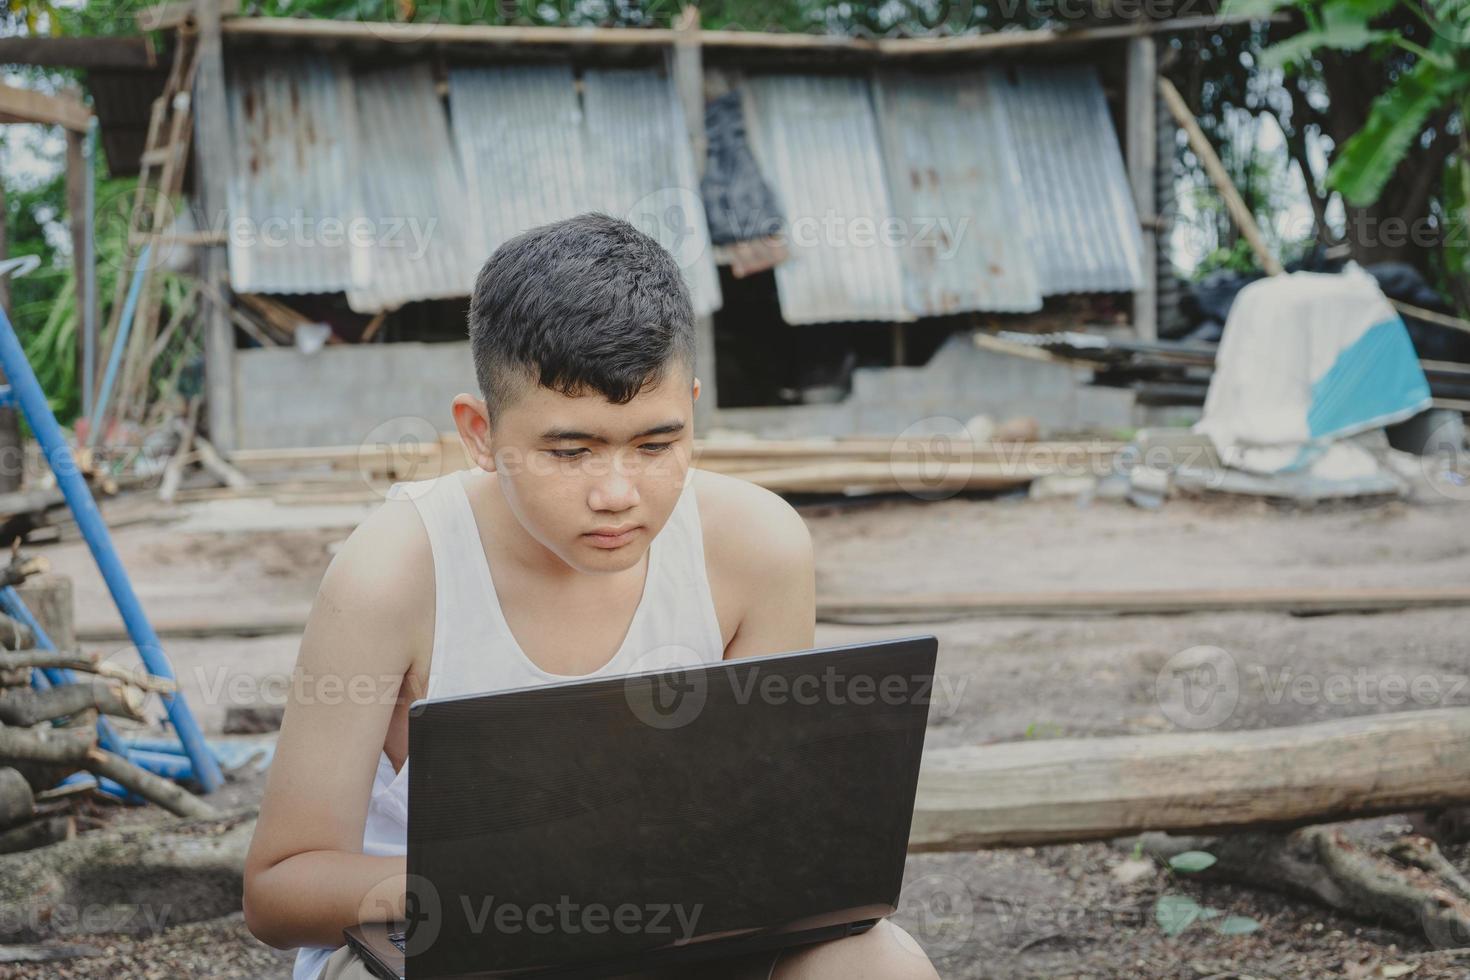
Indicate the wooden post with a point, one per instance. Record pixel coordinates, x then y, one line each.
1142 153
76 217
687 71
11 465
1220 177
212 167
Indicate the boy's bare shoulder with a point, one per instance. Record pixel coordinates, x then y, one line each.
748 530
384 572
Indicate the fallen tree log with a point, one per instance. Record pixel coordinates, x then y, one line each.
1075 789
15 636
38 833
78 747
138 881
91 663
26 706
17 801
931 607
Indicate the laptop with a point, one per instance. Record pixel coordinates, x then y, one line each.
592 828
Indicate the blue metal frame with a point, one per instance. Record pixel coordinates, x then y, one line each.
32 401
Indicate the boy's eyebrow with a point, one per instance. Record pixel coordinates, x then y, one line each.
666 428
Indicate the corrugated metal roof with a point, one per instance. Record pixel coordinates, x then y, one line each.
410 195
816 141
956 188
535 153
293 129
642 170
1084 225
518 133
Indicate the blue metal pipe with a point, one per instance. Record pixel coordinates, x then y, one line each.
124 327
94 530
162 764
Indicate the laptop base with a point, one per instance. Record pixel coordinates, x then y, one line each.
372 943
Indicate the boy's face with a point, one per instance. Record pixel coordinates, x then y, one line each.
569 467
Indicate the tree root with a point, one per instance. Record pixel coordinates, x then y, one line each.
1409 885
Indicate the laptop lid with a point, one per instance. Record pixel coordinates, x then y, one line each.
597 819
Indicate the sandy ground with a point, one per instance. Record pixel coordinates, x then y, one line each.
1043 912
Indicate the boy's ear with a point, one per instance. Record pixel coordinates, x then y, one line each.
695 393
472 420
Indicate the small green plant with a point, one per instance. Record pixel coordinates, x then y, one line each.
1176 913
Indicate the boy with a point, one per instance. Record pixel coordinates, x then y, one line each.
581 543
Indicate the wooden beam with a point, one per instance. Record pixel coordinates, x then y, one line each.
1142 150
1149 602
116 53
1075 789
23 105
1220 177
321 29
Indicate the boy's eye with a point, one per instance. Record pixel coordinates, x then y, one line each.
657 447
567 453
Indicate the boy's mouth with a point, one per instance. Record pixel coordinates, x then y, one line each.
603 539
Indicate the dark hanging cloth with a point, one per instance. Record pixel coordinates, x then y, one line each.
738 202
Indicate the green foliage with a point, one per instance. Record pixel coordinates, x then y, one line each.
1365 163
1191 861
1176 913
1340 27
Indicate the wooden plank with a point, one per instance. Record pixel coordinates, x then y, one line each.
23 105
1052 790
116 53
1142 151
929 607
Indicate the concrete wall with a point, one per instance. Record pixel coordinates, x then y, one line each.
959 382
344 395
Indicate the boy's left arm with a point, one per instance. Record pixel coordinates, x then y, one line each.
777 574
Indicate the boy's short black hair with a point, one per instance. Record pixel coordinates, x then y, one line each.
581 305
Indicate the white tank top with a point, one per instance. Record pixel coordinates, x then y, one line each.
474 651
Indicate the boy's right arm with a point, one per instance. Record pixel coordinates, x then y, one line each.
306 878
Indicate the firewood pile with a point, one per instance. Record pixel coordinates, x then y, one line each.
48 731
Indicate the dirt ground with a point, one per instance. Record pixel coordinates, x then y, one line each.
1030 912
